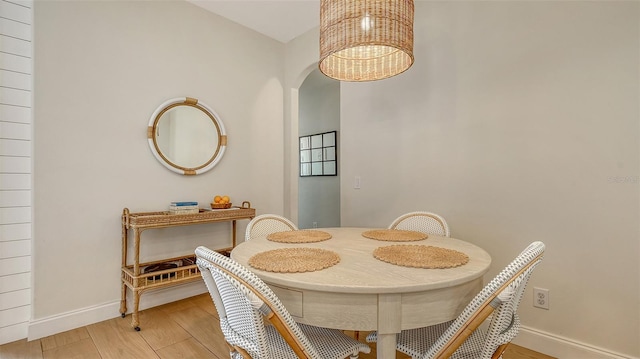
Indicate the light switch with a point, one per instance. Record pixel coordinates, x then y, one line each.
356 182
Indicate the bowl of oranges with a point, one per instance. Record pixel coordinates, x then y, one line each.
221 202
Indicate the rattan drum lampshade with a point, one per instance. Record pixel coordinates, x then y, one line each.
365 40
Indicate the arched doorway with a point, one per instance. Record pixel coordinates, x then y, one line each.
319 112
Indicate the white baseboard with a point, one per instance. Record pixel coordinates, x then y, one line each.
562 348
78 318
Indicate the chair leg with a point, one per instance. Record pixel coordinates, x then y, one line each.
243 352
498 353
236 349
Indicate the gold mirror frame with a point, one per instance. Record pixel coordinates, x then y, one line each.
182 168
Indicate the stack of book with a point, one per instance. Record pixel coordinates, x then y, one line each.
183 208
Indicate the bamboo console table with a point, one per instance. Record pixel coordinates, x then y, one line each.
132 275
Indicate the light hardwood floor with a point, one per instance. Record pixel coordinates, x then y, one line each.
185 329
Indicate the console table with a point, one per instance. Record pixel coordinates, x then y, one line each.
133 276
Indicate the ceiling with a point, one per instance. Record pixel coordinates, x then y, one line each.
280 20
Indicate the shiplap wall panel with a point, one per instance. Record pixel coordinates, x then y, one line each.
16 131
16 298
18 148
15 167
16 29
12 315
15 80
15 97
14 332
16 114
15 265
14 182
16 11
16 282
10 249
15 215
15 46
24 3
16 231
21 64
15 198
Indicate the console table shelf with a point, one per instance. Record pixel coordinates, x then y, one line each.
132 275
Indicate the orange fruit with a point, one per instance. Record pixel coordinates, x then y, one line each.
217 199
225 199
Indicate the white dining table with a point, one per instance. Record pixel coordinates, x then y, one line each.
362 293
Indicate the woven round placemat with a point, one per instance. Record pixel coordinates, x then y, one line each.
420 256
294 260
300 236
395 235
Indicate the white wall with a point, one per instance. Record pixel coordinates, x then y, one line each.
16 66
518 122
101 69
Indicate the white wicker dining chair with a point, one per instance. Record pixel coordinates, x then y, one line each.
268 223
425 222
244 302
462 337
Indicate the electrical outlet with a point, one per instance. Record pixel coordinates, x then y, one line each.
541 298
315 224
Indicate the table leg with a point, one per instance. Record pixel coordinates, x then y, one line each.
389 324
233 233
123 300
136 256
135 320
386 346
135 323
123 295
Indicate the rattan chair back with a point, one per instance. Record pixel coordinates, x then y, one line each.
265 224
425 222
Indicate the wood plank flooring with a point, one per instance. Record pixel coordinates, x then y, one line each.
185 329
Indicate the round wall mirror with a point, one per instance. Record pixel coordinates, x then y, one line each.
186 136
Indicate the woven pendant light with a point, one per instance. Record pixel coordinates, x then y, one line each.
365 40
